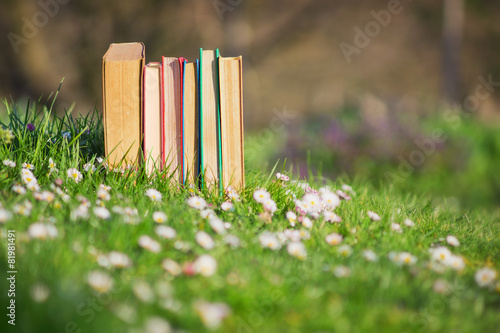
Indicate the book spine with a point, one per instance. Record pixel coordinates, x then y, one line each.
219 137
198 84
200 87
182 64
162 114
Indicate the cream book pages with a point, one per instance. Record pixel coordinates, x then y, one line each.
191 120
152 116
172 118
231 109
210 148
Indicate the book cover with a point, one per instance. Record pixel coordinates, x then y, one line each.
122 67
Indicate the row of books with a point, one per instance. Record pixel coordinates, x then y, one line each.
183 117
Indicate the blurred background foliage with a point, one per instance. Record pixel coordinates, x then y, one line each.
304 102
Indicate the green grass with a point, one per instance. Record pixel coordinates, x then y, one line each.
266 290
459 166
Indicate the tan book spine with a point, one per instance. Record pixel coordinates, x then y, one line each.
122 68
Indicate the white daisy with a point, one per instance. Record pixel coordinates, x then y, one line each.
218 225
441 286
204 240
157 325
118 259
270 205
297 249
9 163
330 200
197 203
452 240
42 231
261 195
172 267
485 277
81 212
149 244
306 222
40 292
232 241
334 239
212 314
313 202
153 194
89 167
369 255
33 186
409 223
331 217
102 194
341 271
143 291
396 227
5 215
27 176
102 213
52 165
232 194
269 240
373 216
207 213
205 265
227 206
74 174
165 232
159 217
28 166
344 250
440 253
403 258
100 281
455 262
291 217
18 189
346 188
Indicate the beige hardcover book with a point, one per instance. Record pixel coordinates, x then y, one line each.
209 142
152 116
172 117
191 120
122 67
231 115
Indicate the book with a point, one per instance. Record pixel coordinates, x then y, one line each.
152 122
172 117
190 123
122 67
231 120
209 136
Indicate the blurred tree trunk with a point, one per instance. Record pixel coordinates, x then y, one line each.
453 22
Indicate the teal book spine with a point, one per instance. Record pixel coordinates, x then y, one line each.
217 101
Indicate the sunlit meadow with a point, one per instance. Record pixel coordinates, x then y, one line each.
118 250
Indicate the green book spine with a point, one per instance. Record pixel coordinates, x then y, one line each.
200 87
217 101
